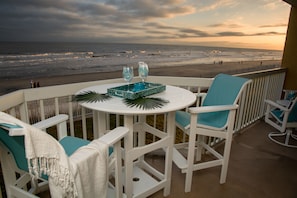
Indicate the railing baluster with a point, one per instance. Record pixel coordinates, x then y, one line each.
155 124
71 119
262 98
84 123
41 105
57 110
117 120
266 85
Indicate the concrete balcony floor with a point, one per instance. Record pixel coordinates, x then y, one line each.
258 167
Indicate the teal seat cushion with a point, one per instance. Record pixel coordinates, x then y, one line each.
71 144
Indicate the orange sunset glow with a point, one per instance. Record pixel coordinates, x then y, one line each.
258 24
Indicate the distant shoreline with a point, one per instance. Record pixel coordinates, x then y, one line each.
191 70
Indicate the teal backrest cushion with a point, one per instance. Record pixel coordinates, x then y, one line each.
224 90
293 114
279 114
16 145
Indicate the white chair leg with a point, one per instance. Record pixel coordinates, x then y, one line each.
199 147
227 150
118 170
190 159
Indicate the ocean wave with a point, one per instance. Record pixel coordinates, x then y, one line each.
21 59
87 58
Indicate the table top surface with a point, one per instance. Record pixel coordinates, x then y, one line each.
178 98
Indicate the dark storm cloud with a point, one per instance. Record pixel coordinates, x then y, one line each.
23 19
197 33
274 25
231 34
175 32
225 25
243 34
113 20
147 9
160 26
268 34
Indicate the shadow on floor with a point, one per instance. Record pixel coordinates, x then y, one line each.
258 167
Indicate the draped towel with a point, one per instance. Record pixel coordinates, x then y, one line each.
90 169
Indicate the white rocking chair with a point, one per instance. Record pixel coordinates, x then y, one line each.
282 115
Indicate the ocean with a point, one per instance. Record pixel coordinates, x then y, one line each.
42 59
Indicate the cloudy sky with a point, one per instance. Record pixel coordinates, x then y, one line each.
232 23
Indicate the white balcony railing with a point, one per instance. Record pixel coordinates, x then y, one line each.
32 105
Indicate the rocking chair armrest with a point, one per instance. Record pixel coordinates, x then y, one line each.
289 90
276 105
207 109
114 135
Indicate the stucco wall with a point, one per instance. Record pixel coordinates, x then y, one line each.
290 52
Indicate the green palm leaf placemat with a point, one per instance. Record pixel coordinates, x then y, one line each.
142 102
146 103
90 96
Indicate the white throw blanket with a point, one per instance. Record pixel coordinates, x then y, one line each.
90 168
84 175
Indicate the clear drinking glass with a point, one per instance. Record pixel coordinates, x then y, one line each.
143 70
128 74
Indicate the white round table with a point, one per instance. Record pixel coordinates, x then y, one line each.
178 98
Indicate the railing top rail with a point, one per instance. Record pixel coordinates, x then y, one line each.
62 90
12 99
182 81
70 89
258 74
17 97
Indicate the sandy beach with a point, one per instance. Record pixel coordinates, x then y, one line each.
200 70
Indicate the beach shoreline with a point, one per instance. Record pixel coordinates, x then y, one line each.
191 70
